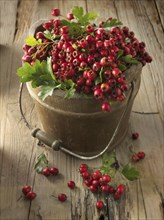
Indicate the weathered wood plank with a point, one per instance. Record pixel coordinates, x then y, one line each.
18 151
160 10
8 23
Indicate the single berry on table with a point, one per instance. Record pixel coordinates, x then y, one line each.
62 197
71 184
135 136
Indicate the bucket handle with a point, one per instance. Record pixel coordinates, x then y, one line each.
56 145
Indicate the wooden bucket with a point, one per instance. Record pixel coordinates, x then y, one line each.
79 122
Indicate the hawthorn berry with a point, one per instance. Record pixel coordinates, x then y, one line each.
53 170
71 184
135 158
99 205
96 175
70 16
135 136
62 197
55 12
141 155
31 195
106 107
46 171
26 189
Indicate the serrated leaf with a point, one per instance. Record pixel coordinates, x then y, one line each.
130 172
41 163
31 41
78 12
122 67
45 91
92 15
113 23
70 88
39 73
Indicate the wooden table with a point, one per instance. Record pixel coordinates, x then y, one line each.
144 198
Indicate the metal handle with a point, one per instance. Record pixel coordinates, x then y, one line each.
57 144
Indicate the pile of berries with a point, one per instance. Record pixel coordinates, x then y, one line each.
28 193
88 55
99 183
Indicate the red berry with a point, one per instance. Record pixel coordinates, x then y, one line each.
88 182
99 205
141 155
31 195
39 35
116 72
64 30
85 175
95 183
111 189
91 75
54 170
135 136
70 16
26 189
71 184
96 175
104 61
55 12
84 165
93 188
117 196
46 172
120 189
135 158
105 179
106 107
105 188
62 197
104 87
26 58
96 66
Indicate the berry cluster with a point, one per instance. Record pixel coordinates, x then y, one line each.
28 193
99 183
138 156
50 171
90 55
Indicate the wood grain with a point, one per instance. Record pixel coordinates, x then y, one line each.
144 198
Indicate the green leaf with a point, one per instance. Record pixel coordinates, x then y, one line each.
99 78
49 67
39 73
122 67
92 15
70 88
119 54
129 59
45 91
113 23
130 172
31 41
41 163
78 12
